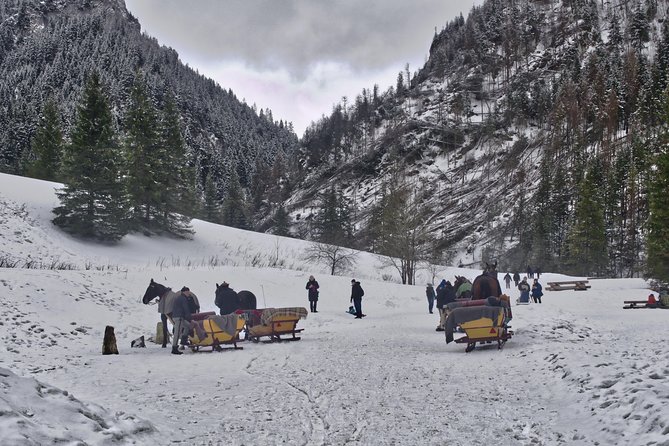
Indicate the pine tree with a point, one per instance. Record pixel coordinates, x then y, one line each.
541 218
47 145
281 222
211 208
658 220
145 175
177 182
586 242
93 204
333 221
234 204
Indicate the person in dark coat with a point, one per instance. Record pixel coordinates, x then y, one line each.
356 297
507 280
429 292
524 289
312 286
193 307
516 279
537 271
445 295
191 298
226 299
537 291
530 272
181 316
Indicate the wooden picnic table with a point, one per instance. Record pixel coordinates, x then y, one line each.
576 285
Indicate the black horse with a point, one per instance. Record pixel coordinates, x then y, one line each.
486 284
247 300
230 301
165 304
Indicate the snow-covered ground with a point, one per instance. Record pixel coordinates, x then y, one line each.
579 369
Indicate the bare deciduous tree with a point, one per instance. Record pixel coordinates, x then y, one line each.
334 257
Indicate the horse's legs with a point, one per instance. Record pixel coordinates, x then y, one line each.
163 319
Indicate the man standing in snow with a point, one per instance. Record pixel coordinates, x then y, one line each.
429 292
356 297
536 291
507 280
191 298
445 295
312 286
182 316
516 279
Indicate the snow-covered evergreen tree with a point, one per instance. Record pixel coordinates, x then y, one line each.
93 202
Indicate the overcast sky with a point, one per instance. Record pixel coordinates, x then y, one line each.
298 57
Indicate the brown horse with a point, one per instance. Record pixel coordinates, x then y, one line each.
486 284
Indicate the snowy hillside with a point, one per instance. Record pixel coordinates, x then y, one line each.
579 369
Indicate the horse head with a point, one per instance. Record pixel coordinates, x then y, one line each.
219 288
152 291
490 269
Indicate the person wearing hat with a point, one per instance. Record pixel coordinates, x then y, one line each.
429 292
191 298
356 297
312 286
182 317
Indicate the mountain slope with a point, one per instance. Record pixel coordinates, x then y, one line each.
49 47
496 132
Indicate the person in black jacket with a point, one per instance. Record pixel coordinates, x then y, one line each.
312 286
429 292
191 298
356 297
445 295
181 316
516 279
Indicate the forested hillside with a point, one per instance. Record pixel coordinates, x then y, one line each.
535 134
48 49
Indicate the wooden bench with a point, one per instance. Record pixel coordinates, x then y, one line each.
277 322
576 285
632 304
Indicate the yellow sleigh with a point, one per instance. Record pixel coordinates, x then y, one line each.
482 324
211 334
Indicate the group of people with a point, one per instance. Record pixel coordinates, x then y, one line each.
516 276
536 291
356 297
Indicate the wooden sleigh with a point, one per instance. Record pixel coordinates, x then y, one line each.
485 323
275 324
213 336
486 331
